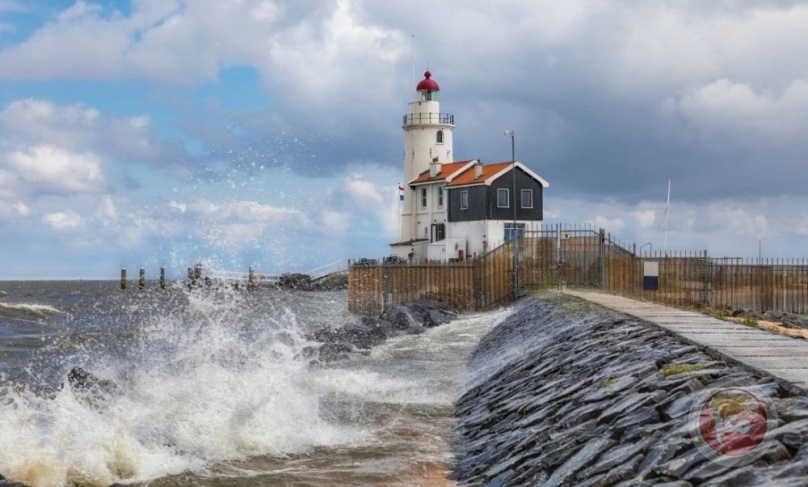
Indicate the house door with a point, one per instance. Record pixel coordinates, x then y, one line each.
438 232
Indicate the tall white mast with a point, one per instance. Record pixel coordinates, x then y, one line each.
412 49
667 211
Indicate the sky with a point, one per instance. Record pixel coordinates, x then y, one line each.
267 133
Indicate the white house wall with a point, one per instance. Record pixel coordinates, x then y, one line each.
432 214
420 148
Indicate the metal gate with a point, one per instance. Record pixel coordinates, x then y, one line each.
559 256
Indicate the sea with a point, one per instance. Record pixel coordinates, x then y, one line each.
213 387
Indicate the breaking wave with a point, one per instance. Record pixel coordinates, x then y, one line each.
195 385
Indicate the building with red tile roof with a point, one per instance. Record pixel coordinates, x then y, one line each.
455 210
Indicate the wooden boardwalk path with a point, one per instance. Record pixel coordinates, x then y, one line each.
777 355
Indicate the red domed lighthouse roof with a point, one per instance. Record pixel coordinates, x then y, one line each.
428 84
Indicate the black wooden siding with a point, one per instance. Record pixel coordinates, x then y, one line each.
483 200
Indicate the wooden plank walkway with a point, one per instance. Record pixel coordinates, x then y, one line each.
780 356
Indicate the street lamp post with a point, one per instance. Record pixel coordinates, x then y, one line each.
514 235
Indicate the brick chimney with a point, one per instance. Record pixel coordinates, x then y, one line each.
434 167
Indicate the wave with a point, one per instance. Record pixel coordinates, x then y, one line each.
41 310
198 385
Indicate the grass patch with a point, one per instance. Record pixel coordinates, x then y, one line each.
750 321
608 382
679 369
715 313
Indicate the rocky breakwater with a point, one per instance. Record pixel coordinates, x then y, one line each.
409 319
565 392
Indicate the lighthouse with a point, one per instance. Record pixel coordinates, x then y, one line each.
452 210
427 145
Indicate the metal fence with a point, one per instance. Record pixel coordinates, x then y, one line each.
581 256
477 284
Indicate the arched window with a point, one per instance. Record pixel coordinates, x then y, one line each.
439 137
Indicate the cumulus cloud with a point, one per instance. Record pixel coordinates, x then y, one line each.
363 192
609 99
63 220
47 169
643 218
724 108
76 127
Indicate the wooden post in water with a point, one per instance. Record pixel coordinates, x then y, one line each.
123 278
162 278
251 280
142 281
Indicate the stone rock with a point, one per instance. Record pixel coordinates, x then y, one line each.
332 282
627 404
680 407
569 395
640 417
91 390
771 316
294 281
777 452
566 472
369 332
792 320
8 483
617 456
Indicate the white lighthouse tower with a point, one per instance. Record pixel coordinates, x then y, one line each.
427 140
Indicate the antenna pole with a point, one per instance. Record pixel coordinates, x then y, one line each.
412 49
667 212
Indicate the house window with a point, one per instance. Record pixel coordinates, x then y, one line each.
464 200
527 198
439 137
512 231
423 197
440 197
502 198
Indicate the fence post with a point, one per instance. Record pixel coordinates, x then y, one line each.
515 265
558 259
387 293
634 270
142 281
476 287
123 278
602 235
162 278
707 271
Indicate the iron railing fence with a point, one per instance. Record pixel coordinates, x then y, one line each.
419 118
561 256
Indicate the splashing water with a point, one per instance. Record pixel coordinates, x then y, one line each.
199 382
213 388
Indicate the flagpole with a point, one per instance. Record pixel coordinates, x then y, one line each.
400 209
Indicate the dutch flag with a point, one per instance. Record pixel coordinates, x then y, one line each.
400 192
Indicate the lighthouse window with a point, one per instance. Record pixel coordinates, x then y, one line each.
440 197
502 198
464 200
423 197
439 137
